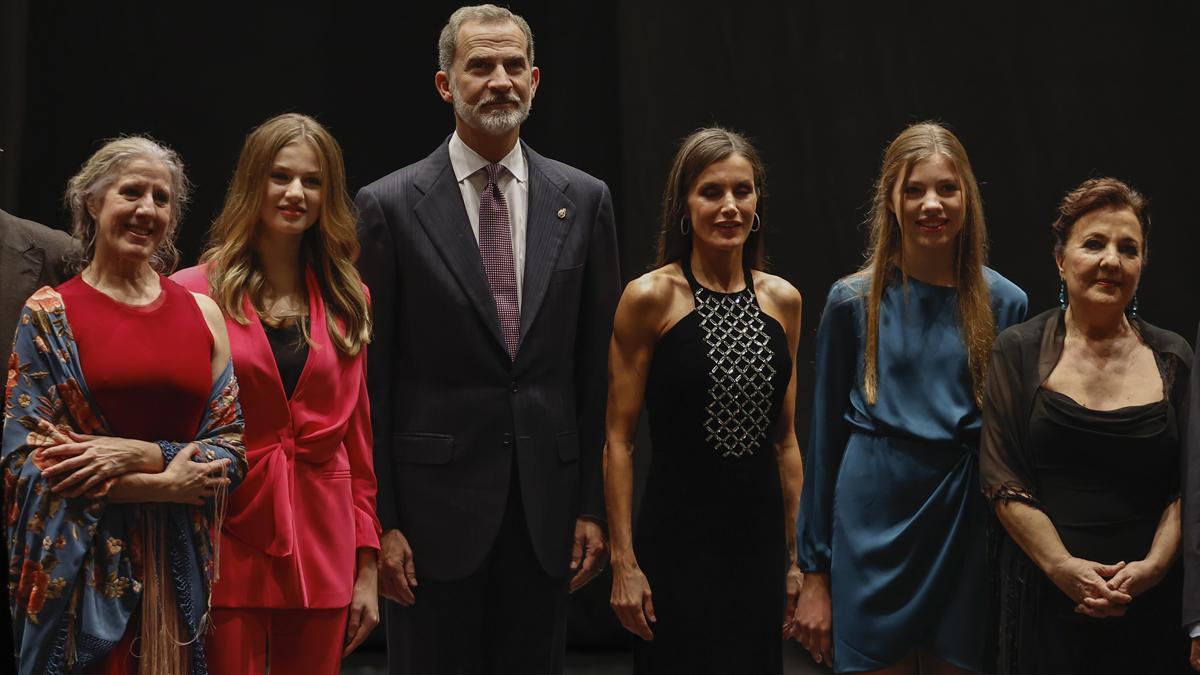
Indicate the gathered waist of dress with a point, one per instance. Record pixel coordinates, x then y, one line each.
955 446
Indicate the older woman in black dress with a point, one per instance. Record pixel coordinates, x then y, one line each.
1080 458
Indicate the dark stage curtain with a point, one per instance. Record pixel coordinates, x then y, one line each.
13 67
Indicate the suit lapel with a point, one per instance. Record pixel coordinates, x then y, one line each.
544 232
442 214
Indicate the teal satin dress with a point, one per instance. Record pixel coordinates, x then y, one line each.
891 506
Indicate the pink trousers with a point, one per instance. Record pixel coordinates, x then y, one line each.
294 640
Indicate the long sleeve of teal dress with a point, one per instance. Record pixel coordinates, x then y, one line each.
837 364
890 506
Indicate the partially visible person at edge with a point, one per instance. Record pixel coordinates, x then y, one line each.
31 256
893 530
1190 518
122 437
300 539
708 340
1083 417
494 276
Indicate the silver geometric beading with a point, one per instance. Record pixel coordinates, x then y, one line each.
742 374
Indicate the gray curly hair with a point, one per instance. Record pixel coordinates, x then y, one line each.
99 172
448 40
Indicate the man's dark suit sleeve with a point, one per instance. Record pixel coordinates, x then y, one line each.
60 247
377 264
598 304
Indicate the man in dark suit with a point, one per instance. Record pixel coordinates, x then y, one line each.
31 256
493 273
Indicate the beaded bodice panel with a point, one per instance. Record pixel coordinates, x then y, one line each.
738 413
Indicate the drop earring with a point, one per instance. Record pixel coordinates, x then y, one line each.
1062 294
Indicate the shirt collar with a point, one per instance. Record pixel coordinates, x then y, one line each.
466 162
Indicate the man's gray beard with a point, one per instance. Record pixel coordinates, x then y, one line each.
495 122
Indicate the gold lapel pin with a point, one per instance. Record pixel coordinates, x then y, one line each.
562 213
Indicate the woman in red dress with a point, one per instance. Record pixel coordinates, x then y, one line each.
298 579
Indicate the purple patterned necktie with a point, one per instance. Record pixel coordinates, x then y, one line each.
495 245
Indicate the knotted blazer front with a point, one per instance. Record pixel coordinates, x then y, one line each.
308 500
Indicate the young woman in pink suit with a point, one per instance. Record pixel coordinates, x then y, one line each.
299 544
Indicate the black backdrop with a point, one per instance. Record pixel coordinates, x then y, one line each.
1042 97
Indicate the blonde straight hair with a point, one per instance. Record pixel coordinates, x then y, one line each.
885 253
329 247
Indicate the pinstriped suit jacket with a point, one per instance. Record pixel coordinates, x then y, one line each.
452 414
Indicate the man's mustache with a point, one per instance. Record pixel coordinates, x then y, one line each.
509 98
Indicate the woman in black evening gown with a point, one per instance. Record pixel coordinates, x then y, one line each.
1080 456
708 340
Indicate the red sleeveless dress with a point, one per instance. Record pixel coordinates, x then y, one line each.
148 369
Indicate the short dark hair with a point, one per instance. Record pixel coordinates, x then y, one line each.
1100 193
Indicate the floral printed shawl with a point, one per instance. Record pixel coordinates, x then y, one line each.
78 566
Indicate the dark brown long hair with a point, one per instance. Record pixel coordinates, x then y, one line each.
885 253
698 151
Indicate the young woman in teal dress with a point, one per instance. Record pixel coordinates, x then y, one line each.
891 534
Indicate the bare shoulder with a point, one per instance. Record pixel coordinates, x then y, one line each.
778 290
655 290
212 315
208 307
653 302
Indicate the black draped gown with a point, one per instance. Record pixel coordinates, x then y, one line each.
1105 477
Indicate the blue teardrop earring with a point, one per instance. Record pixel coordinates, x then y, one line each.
1131 309
1062 295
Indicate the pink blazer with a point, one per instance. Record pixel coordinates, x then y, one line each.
308 500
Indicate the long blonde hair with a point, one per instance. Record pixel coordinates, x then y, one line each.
330 247
884 255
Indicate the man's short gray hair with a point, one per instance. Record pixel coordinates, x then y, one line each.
448 40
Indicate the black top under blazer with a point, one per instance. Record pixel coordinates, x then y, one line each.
448 405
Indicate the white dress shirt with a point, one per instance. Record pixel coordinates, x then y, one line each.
469 171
